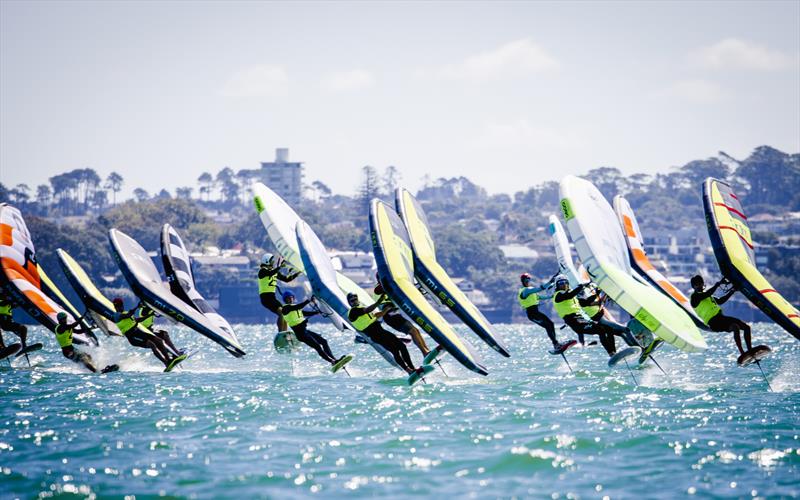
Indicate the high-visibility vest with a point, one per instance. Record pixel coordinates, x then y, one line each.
268 284
126 324
63 335
294 318
530 300
707 309
567 307
362 322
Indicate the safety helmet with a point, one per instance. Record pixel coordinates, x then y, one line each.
61 316
268 259
287 296
525 277
352 298
696 279
561 280
118 301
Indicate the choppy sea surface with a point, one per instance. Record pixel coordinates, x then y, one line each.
282 426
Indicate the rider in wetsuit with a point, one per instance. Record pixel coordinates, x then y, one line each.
707 307
297 319
593 305
566 304
128 325
268 276
64 336
8 324
368 323
529 299
392 317
146 317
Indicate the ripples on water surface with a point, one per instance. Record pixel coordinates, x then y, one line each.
278 425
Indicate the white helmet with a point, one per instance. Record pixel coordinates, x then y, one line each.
268 259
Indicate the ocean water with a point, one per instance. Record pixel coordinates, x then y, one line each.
281 426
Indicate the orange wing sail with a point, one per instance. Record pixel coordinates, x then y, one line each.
642 264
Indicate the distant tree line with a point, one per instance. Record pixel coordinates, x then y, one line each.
467 223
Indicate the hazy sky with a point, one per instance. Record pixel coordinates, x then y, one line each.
507 94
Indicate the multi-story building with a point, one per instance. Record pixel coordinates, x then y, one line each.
284 177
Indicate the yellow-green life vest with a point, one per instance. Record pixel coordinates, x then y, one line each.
362 322
268 284
63 335
530 300
707 309
125 325
566 307
148 321
591 311
5 310
294 318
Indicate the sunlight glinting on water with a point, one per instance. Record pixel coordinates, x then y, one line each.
281 425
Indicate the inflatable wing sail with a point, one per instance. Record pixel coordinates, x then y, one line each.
396 271
325 282
641 263
733 248
594 229
280 222
52 291
178 269
20 278
576 276
144 279
433 277
100 308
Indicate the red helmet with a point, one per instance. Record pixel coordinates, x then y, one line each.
525 277
117 301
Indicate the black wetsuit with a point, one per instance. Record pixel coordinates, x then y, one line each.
582 326
8 324
612 327
538 317
720 322
377 334
268 299
306 336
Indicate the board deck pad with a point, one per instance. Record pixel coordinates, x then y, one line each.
419 374
9 350
628 352
562 347
433 355
755 354
31 348
175 362
647 351
341 363
285 341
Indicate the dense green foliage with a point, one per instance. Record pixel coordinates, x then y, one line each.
467 223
